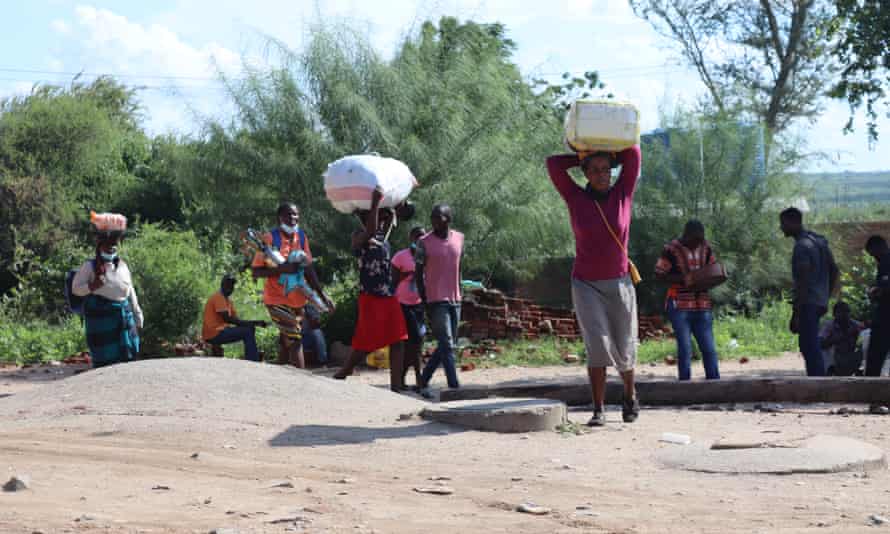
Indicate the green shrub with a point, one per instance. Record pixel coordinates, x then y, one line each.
36 341
173 279
855 281
40 292
340 325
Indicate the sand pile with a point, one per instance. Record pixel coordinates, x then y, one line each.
205 395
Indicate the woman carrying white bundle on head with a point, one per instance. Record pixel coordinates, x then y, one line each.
112 316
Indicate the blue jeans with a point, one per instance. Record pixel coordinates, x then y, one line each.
313 340
233 334
444 317
808 340
699 324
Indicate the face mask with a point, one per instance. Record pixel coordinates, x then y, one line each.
290 229
108 257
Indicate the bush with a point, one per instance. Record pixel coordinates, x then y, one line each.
36 341
855 281
39 293
173 279
340 325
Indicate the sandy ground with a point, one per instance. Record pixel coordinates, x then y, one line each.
280 450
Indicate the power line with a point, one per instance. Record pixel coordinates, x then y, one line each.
62 73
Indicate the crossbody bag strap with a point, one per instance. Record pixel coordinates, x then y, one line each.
611 232
634 272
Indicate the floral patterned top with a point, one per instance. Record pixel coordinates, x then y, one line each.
375 267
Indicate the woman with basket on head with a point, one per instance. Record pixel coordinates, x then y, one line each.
603 276
112 316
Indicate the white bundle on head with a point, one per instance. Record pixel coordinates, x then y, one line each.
350 181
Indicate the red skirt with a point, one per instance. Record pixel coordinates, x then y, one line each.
380 323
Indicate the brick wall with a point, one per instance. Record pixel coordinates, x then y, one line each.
489 314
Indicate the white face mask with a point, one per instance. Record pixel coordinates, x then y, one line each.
108 257
290 229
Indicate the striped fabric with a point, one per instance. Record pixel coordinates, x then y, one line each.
677 259
110 330
289 321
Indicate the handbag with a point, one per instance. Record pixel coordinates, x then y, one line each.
707 277
632 269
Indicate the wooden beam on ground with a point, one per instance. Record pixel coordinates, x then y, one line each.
576 392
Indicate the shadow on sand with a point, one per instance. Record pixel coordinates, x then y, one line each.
315 435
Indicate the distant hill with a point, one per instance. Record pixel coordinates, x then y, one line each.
847 188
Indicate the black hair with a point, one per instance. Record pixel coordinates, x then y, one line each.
613 161
228 277
444 209
284 206
417 230
840 304
792 215
694 226
875 242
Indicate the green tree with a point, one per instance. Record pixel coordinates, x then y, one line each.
768 58
713 168
862 30
63 151
451 104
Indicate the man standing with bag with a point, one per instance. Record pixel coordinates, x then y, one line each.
815 276
603 276
689 308
437 273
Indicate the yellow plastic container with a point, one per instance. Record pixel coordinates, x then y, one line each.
602 125
379 358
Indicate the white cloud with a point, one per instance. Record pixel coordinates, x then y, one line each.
60 27
131 47
179 78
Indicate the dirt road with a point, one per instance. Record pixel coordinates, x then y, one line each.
283 451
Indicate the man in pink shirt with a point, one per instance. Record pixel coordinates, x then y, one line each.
438 282
412 306
602 291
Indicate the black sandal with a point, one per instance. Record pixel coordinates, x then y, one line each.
630 410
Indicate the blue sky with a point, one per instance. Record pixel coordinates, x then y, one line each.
173 47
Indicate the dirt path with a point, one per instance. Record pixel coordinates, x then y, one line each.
93 466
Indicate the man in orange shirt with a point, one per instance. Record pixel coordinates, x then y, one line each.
286 309
219 312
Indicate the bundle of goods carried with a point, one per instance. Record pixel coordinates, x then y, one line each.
108 222
349 182
289 281
602 126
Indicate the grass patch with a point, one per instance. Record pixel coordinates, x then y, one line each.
760 336
39 341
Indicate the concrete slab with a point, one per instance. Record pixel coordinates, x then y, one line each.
500 415
818 454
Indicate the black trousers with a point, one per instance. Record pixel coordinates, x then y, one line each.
878 345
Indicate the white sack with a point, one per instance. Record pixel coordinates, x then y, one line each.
349 182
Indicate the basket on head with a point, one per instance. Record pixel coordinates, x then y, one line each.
109 224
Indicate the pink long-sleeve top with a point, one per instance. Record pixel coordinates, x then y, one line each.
597 255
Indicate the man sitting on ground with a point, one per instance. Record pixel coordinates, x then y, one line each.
220 312
838 340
